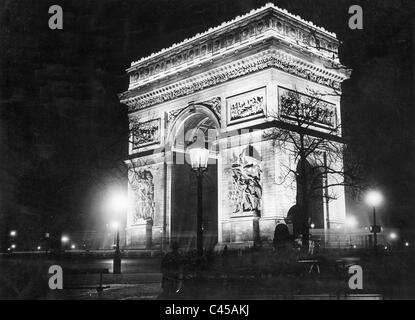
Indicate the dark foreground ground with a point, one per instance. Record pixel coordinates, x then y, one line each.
258 274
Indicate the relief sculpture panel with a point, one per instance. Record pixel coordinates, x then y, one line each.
144 133
143 188
246 189
246 106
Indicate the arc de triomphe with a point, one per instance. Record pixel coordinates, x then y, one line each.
225 86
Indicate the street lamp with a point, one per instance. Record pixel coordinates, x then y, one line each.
199 158
374 199
117 204
393 236
64 240
13 233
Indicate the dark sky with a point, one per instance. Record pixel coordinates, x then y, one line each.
63 131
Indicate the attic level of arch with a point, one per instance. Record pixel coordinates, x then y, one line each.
233 38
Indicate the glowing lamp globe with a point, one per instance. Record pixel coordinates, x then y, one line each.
393 236
373 198
198 158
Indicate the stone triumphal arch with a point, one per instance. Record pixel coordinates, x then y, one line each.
222 89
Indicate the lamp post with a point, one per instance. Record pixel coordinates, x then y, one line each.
199 158
11 240
117 252
64 241
117 203
373 199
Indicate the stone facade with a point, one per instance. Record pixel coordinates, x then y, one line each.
225 86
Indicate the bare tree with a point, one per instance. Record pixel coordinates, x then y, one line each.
307 130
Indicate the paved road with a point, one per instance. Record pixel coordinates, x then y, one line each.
27 278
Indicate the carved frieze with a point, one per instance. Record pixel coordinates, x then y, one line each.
143 189
144 133
270 59
295 105
246 105
246 190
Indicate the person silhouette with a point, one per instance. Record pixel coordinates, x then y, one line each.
172 272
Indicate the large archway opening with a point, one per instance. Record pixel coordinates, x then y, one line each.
313 187
195 126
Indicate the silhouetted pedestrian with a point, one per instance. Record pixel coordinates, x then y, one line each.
172 270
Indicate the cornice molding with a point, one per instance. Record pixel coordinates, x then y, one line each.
271 58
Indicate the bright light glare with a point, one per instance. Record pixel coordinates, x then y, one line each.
117 202
13 233
73 246
373 198
351 222
65 239
406 244
13 246
393 235
114 225
312 226
39 247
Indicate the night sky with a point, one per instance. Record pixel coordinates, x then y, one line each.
63 132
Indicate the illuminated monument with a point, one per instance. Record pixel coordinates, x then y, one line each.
222 88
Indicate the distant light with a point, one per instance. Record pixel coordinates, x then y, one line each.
115 225
312 226
338 226
13 246
406 244
351 222
73 246
39 247
386 248
13 233
373 198
8 249
354 246
65 239
393 235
